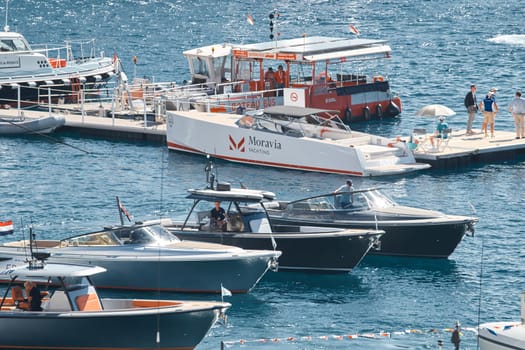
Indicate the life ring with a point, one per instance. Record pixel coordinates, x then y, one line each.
379 111
378 78
366 113
324 76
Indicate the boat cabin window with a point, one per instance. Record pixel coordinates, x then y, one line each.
221 68
300 73
244 70
200 66
7 45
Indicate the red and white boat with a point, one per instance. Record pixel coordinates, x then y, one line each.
289 137
319 72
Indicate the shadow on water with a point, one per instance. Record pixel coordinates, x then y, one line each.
310 281
445 266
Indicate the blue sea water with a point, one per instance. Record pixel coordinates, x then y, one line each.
438 49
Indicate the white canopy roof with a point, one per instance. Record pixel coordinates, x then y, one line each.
50 270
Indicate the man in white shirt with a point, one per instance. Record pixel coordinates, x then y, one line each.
517 108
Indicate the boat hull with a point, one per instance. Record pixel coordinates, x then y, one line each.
330 251
501 336
177 327
156 270
27 126
217 134
433 239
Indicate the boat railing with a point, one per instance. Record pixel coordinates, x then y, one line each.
72 50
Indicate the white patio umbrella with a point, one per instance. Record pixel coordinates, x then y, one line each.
435 111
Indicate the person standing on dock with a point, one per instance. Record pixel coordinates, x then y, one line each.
472 108
489 108
517 108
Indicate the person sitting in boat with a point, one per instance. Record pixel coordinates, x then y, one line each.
33 302
346 198
218 217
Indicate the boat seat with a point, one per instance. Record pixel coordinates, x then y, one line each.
442 142
234 223
17 293
88 302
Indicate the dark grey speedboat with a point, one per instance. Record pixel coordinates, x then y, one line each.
409 231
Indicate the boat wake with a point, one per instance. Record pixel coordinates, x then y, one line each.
510 39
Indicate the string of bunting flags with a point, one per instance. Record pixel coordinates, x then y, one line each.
378 335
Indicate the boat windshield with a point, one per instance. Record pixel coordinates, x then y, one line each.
7 45
377 199
199 66
150 235
358 200
143 235
90 239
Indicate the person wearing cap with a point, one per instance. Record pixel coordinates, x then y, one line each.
441 126
517 108
346 199
489 107
472 107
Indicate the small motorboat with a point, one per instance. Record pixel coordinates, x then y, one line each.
320 249
287 137
74 316
24 125
409 231
503 335
145 256
43 72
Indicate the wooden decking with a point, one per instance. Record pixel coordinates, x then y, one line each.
464 149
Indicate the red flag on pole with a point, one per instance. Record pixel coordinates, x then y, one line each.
353 29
